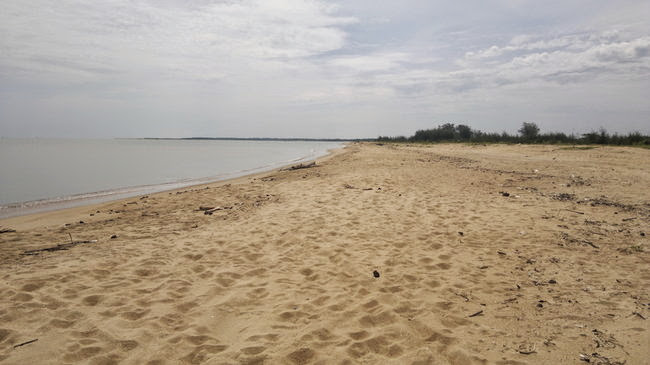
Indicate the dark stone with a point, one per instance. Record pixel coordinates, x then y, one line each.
504 193
552 281
375 273
113 236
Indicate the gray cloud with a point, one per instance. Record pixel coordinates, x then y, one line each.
319 68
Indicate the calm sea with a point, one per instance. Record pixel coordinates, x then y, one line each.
45 174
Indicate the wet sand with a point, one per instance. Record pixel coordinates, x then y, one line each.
485 254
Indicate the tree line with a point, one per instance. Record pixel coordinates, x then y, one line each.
528 133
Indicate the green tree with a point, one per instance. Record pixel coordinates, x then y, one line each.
529 131
464 132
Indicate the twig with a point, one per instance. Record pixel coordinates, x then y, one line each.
26 343
59 247
639 315
590 244
575 211
476 314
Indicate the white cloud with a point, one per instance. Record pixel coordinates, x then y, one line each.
213 65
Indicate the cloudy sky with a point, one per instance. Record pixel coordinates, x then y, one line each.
311 68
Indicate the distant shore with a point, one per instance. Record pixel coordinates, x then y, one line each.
383 254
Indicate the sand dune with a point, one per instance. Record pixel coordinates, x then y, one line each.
485 254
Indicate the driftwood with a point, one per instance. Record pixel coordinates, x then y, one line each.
26 343
589 243
301 166
212 210
7 230
59 247
476 314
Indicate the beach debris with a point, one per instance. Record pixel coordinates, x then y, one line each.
476 314
301 166
642 234
564 197
367 189
26 343
461 233
348 186
59 247
113 236
597 358
215 209
375 273
638 315
204 208
526 349
504 193
7 230
574 211
483 267
552 281
501 253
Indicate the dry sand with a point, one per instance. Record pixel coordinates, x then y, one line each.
556 270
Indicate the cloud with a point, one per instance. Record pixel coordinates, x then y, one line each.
178 37
208 66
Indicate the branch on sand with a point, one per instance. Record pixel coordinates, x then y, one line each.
300 166
59 247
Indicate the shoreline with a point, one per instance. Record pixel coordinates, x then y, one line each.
56 204
386 254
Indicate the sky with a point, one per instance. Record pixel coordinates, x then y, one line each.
320 69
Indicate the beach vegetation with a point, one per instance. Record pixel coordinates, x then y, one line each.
528 133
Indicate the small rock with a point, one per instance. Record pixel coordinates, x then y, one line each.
375 273
552 281
642 234
461 233
504 193
81 222
113 236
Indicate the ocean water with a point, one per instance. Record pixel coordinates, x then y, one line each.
46 174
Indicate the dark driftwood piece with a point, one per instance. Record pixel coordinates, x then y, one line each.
302 166
26 343
574 211
7 230
59 247
476 314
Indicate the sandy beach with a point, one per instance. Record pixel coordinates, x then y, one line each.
380 254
